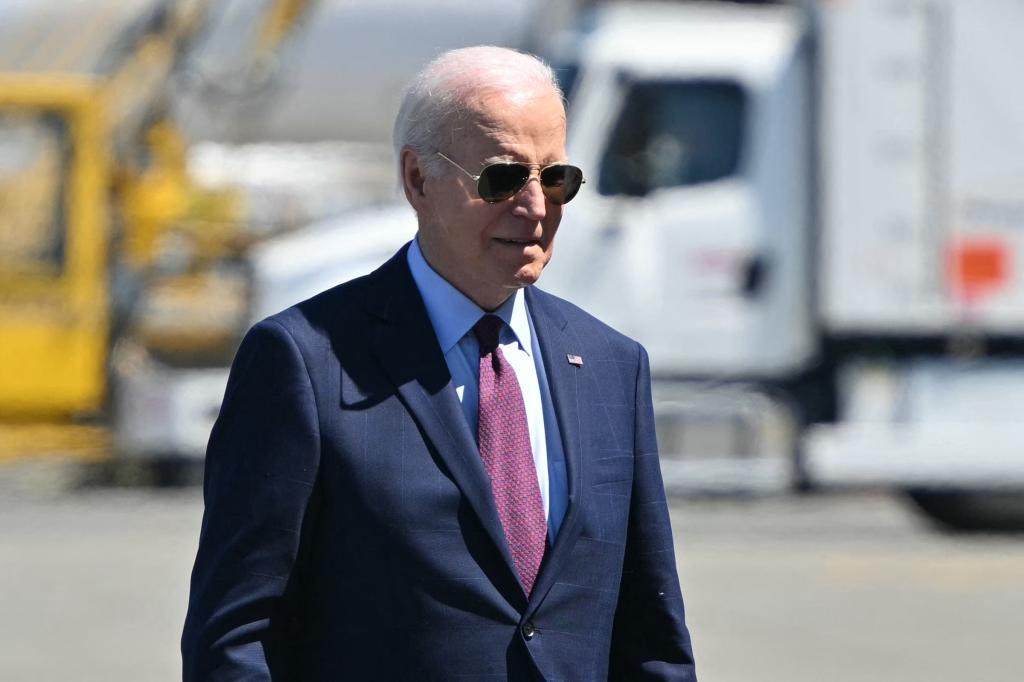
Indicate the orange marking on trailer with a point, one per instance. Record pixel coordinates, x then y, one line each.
977 266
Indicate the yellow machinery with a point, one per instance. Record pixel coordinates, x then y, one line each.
104 240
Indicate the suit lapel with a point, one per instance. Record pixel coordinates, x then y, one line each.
407 348
556 342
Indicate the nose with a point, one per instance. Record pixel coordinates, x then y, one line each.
530 202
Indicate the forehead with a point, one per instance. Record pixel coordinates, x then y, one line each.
523 126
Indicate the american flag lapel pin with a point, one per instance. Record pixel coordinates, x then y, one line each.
574 360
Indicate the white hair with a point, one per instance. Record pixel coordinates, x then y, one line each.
445 90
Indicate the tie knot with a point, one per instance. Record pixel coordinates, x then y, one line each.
487 330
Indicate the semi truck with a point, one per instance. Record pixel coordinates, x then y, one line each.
812 215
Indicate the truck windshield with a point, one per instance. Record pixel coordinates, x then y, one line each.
674 133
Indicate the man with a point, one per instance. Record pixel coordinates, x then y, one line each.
437 472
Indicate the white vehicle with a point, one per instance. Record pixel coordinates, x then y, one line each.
813 219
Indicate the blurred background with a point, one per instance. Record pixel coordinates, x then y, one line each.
811 213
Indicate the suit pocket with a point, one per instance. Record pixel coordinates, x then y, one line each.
608 471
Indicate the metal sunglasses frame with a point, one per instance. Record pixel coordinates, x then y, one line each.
531 166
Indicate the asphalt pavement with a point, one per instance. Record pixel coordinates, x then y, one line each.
94 582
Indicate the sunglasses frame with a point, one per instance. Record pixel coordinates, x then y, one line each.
531 166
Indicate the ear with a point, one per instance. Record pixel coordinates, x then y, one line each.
413 178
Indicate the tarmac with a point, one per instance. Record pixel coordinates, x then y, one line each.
837 588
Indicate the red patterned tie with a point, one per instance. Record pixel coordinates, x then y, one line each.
504 438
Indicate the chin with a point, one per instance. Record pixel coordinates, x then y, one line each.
529 275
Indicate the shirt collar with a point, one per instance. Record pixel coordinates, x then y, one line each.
453 314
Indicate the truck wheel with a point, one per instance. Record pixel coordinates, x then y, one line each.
975 510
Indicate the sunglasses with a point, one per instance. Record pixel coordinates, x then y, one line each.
500 181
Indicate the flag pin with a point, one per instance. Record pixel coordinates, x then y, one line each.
575 360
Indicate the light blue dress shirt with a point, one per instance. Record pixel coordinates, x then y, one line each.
453 315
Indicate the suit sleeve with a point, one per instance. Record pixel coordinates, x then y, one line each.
650 640
261 470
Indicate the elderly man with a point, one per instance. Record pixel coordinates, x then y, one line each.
436 471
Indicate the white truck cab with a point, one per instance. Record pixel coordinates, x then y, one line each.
691 124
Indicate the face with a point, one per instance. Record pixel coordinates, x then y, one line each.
487 251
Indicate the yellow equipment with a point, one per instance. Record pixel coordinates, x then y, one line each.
104 239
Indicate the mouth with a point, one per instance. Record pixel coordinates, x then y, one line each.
517 242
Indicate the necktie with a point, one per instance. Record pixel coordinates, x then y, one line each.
504 439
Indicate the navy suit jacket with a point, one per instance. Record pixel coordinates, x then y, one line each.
350 532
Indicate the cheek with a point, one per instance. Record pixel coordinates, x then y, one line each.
488 221
551 222
467 229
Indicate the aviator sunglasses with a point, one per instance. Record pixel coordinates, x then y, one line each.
504 179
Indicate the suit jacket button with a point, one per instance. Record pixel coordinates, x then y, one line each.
528 630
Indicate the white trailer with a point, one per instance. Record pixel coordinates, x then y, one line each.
922 152
813 218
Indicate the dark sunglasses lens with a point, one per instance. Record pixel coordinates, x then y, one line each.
501 180
561 182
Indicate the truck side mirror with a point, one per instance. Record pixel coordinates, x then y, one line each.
754 273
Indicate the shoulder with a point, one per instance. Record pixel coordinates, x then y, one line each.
319 315
308 326
340 314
